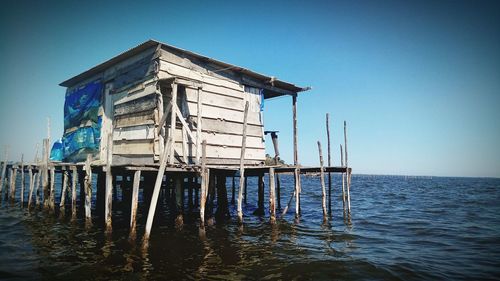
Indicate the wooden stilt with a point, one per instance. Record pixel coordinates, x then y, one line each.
198 125
343 179
37 185
12 184
329 165
260 196
289 203
233 190
88 189
196 191
109 184
278 191
4 169
52 198
22 180
204 183
45 171
173 120
62 204
222 203
245 190
179 201
322 178
159 179
74 174
272 199
135 201
348 170
242 164
296 174
31 186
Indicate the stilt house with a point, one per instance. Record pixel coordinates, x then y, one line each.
125 105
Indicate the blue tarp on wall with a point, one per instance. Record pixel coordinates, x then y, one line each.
81 114
82 105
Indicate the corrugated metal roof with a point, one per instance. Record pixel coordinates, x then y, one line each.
151 43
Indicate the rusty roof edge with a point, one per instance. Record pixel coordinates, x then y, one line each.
151 42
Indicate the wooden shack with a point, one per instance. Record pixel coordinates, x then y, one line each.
135 109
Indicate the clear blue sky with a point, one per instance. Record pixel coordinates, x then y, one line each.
418 82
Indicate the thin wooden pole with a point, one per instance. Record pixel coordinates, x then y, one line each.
74 180
158 182
88 189
179 200
260 196
295 137
204 183
45 171
233 190
272 199
245 185
52 198
347 167
109 183
135 201
4 169
173 121
22 180
12 184
296 174
38 181
289 203
278 190
329 165
343 179
198 125
322 178
242 164
62 204
31 185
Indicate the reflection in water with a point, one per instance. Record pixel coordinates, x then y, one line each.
399 230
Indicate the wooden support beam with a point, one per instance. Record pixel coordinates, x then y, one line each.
260 196
322 179
88 189
198 125
12 183
343 179
159 179
289 203
348 171
22 180
62 204
173 121
109 184
272 200
296 174
233 190
37 187
4 169
31 185
74 174
179 201
329 164
278 190
242 165
52 193
295 137
205 174
45 171
134 204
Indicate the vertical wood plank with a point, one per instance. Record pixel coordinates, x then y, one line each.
173 121
109 183
74 174
242 164
322 179
343 179
31 186
134 204
198 125
52 198
329 164
272 200
22 179
62 204
205 175
4 169
88 189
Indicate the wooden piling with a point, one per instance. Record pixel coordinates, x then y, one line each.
88 189
173 119
347 167
179 201
198 125
62 204
159 177
109 184
245 185
242 164
31 185
322 179
343 179
296 174
222 202
233 190
134 203
272 200
4 169
296 157
45 171
278 191
329 165
52 194
260 196
204 183
74 174
37 187
22 180
12 183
